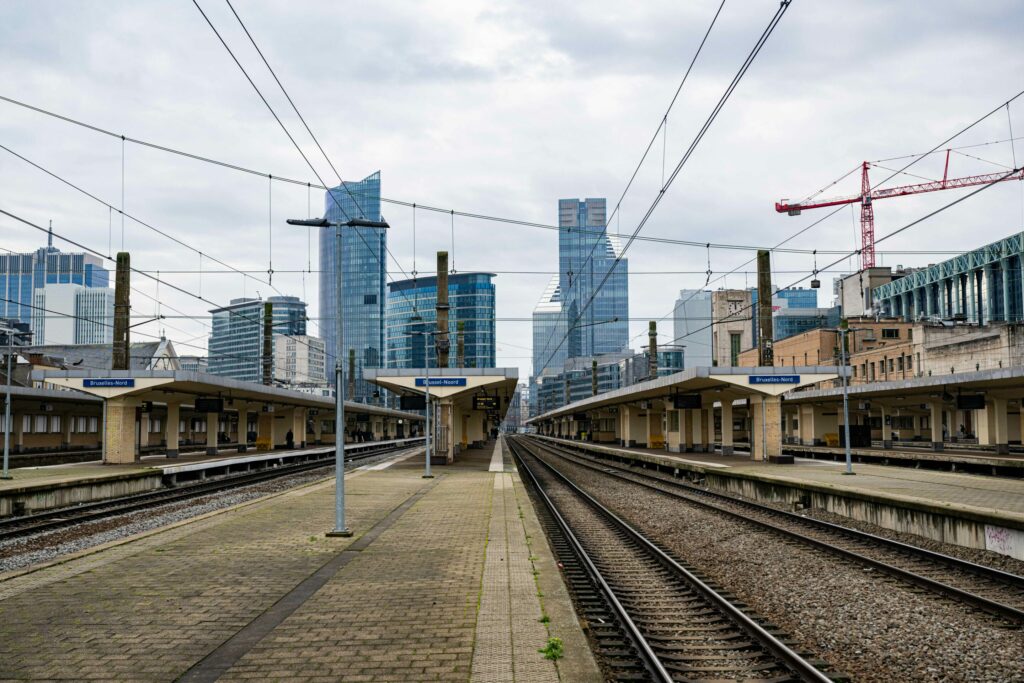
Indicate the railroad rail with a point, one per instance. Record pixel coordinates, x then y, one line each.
677 625
992 590
14 527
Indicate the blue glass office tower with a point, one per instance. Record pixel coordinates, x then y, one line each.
22 274
587 270
411 307
363 267
235 347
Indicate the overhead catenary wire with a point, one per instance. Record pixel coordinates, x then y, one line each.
431 208
914 159
751 56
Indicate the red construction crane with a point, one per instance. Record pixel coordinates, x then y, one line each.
867 196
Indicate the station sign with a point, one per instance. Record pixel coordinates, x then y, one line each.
111 383
485 403
774 379
441 381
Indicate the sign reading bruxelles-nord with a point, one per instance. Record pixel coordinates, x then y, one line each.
111 383
441 381
774 379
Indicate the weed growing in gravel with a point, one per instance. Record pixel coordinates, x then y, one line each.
545 619
553 650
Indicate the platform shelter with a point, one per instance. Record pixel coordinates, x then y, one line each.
683 411
224 411
469 402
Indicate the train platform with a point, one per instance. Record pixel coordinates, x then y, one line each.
965 509
32 489
952 459
448 578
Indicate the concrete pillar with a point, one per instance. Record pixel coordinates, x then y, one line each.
973 314
996 413
65 430
766 432
265 436
299 427
886 426
936 420
655 436
806 430
171 428
727 426
686 425
625 419
318 430
706 427
243 425
212 423
119 431
674 434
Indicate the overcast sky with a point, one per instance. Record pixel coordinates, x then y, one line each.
501 108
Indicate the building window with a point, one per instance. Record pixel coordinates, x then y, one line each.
890 333
899 363
890 365
734 348
910 364
369 299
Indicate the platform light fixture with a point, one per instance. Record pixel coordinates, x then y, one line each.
340 528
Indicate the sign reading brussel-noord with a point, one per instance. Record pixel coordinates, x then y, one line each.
441 381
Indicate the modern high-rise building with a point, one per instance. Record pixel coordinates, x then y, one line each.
692 326
73 314
549 324
411 307
363 267
22 274
236 345
594 286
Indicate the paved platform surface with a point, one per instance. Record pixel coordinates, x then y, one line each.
999 497
439 582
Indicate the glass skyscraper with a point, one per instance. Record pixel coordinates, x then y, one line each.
587 269
236 342
411 307
22 274
363 267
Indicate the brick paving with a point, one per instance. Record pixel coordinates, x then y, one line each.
404 608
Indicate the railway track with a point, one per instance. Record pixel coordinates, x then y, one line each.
652 618
15 527
992 590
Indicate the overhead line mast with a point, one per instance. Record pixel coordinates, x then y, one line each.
868 195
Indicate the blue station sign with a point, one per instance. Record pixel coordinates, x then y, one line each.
774 379
112 383
441 381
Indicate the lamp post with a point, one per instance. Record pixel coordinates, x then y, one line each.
843 331
340 528
426 382
11 333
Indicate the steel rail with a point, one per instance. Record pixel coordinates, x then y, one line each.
796 663
991 606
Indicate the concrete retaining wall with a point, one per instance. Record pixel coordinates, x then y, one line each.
36 498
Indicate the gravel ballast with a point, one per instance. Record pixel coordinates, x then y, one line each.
871 627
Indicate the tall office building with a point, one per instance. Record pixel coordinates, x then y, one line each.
691 323
363 267
73 314
236 345
587 270
411 307
22 274
299 360
549 350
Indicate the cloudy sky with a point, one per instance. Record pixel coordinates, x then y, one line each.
500 108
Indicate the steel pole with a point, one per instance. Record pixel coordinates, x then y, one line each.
846 402
426 362
340 529
7 417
